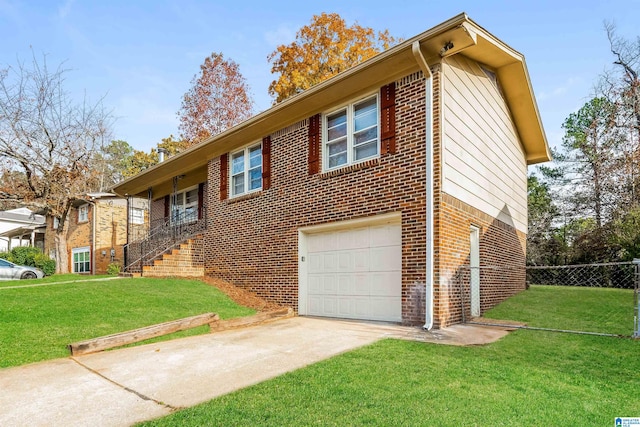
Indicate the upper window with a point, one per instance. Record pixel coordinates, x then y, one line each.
246 170
351 134
137 216
83 213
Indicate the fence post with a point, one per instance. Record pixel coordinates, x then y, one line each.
636 293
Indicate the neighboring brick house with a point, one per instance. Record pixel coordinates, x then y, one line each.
96 231
367 195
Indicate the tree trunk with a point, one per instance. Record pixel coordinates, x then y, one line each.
62 255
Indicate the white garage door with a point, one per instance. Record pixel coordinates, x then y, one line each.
356 274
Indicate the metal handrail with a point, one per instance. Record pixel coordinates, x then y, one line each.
162 238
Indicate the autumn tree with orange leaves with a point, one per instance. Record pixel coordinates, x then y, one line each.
321 50
218 99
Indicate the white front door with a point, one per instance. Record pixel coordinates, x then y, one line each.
474 264
354 273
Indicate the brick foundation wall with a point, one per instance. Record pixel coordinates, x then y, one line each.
252 241
502 261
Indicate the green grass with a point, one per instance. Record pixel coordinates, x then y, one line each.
603 310
37 323
529 378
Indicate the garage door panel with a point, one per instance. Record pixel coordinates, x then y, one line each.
315 285
362 284
386 308
330 305
385 258
345 284
329 284
385 284
353 239
385 235
345 261
361 308
345 307
355 273
315 263
361 260
329 262
315 304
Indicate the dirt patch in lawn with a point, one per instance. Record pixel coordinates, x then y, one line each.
242 296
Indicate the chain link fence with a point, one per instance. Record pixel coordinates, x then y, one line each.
601 299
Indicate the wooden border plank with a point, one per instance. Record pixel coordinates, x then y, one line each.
141 334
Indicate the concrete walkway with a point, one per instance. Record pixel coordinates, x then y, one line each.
121 387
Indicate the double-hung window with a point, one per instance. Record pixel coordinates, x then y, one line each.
83 213
352 134
246 170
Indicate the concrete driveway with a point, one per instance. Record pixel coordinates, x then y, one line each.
121 387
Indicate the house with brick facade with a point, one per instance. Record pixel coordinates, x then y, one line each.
366 196
96 230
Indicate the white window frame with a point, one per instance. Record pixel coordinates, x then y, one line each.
349 109
179 206
75 264
245 173
83 213
137 216
56 222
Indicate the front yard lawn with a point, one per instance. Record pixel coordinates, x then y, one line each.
529 378
37 323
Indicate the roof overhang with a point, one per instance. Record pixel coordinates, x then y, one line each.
466 37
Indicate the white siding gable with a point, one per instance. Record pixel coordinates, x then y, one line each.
483 162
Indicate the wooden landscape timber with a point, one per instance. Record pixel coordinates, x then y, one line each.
256 319
136 335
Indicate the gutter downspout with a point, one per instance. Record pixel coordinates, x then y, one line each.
94 215
424 66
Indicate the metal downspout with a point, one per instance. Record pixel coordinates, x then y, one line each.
422 63
94 215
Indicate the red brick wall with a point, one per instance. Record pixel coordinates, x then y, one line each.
502 261
252 241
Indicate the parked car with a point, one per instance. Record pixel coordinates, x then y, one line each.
10 271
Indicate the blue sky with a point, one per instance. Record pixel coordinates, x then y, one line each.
142 55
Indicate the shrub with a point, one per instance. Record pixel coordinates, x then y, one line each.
25 255
113 269
32 257
46 264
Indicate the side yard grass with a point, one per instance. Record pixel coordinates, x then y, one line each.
37 323
603 310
